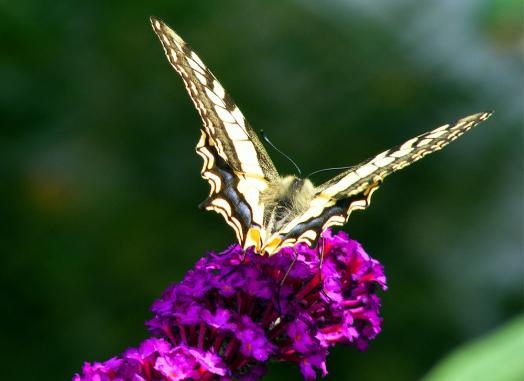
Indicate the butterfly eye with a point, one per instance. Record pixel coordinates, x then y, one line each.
296 185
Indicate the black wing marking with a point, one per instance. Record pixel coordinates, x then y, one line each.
224 197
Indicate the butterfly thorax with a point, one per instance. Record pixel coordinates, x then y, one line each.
284 199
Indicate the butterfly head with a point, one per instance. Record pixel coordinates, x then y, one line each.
297 184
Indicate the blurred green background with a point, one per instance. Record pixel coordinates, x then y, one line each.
100 183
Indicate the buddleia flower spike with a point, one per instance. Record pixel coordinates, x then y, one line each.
218 324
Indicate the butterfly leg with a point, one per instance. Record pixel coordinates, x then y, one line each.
321 262
321 257
228 251
295 256
244 253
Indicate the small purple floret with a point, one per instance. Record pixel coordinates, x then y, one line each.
228 318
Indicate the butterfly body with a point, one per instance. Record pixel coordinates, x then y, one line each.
268 211
287 197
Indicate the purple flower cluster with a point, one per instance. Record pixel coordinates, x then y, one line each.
156 360
235 311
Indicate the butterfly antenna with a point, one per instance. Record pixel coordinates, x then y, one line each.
329 169
279 151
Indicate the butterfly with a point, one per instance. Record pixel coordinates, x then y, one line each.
268 211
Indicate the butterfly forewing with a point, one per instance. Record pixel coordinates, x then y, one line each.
227 139
352 189
356 180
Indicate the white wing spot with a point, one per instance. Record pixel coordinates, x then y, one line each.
251 192
193 88
216 100
194 65
166 40
237 227
218 89
459 124
436 134
423 142
441 128
220 149
224 114
408 145
382 162
401 152
310 235
215 181
173 55
343 184
359 204
246 154
209 159
237 114
366 170
198 60
381 155
334 221
223 204
182 72
202 79
177 43
235 132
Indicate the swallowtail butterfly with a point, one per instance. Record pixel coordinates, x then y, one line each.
266 210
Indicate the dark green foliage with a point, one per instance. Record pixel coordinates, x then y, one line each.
100 186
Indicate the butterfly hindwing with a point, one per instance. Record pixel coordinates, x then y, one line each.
227 140
223 197
337 198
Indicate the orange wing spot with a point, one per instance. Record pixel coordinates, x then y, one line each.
253 238
272 246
